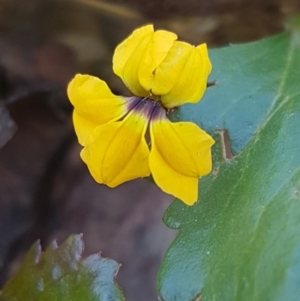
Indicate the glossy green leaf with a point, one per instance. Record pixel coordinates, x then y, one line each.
241 242
60 274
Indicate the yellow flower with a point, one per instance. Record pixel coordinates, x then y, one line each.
161 73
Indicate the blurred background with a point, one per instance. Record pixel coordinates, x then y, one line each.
46 191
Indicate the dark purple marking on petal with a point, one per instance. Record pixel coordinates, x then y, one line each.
143 106
158 112
132 102
150 108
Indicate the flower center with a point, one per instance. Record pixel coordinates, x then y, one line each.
148 107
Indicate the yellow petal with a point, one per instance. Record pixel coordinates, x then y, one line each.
206 61
136 59
94 104
127 57
117 152
180 154
167 74
125 50
158 47
182 76
83 127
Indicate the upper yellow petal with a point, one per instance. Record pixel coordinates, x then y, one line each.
94 104
158 47
168 72
136 59
185 70
206 61
117 152
130 71
125 50
127 57
153 63
180 152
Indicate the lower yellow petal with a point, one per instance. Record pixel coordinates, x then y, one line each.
117 152
180 154
172 182
94 104
83 127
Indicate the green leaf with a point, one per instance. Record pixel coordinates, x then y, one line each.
60 274
242 240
